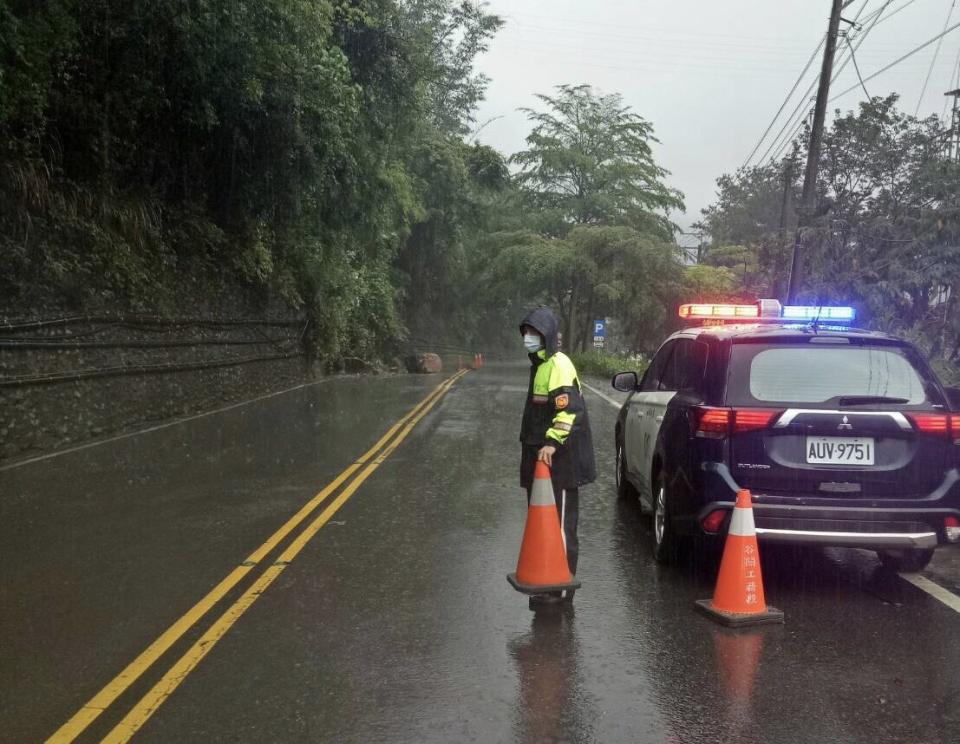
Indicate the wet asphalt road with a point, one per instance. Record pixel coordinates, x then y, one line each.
395 622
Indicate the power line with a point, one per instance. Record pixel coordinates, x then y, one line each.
687 39
901 59
658 31
875 18
857 68
794 88
936 53
783 105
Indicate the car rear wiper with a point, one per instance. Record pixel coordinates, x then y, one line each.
859 400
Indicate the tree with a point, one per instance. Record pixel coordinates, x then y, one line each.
749 214
589 162
306 154
885 232
742 263
593 272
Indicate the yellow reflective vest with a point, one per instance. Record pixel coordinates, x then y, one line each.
556 414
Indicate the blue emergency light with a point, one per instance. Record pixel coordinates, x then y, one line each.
818 312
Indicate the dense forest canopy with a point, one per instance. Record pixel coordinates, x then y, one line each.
316 157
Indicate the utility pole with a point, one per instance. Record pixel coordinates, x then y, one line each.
787 183
813 153
788 167
953 136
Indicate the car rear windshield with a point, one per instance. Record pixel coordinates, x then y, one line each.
813 374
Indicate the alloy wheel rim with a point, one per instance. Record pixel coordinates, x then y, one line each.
660 516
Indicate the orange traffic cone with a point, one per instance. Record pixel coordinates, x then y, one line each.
738 597
542 566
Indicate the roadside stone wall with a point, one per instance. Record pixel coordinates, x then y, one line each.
42 417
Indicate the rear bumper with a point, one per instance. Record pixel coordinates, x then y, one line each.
874 540
842 522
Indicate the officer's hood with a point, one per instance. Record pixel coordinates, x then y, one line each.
543 319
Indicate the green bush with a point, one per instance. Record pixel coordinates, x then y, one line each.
601 364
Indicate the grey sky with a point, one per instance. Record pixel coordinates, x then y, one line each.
708 75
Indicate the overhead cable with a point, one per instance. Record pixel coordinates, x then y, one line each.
796 84
875 19
897 61
857 68
783 105
793 124
933 62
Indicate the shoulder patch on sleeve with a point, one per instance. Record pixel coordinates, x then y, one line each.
562 400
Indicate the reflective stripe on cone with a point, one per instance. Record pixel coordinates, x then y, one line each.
542 566
738 598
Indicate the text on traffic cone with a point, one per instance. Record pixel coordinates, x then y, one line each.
738 598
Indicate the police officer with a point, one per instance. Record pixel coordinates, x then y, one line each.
555 426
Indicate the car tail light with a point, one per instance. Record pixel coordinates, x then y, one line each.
951 529
713 423
751 419
711 523
716 423
936 424
955 428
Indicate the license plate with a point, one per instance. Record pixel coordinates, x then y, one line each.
840 450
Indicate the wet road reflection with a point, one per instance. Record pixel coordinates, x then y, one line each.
551 704
737 656
396 624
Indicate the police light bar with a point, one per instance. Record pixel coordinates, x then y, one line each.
766 311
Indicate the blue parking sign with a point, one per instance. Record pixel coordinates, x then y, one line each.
600 328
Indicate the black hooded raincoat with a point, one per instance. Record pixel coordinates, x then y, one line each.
555 412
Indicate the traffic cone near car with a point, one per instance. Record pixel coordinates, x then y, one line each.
738 597
542 566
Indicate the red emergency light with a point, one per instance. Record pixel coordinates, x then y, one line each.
718 311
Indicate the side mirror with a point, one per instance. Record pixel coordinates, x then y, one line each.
625 382
953 398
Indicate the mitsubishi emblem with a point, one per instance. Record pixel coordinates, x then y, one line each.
846 425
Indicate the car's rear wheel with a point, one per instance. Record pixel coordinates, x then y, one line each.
625 489
909 559
665 542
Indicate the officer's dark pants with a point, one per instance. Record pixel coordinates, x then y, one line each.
568 507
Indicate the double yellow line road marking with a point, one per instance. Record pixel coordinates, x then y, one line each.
148 705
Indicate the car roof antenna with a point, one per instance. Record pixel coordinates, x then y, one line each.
816 319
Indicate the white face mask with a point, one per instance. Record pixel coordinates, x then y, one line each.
532 342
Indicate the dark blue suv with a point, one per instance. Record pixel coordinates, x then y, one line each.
844 437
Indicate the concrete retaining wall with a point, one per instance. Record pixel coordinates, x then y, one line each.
38 418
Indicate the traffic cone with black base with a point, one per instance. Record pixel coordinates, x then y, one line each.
542 567
738 597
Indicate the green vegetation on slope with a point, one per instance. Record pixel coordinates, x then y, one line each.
602 364
317 157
